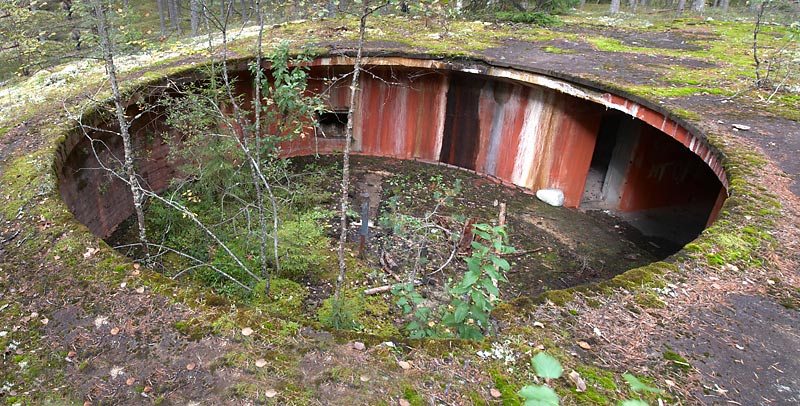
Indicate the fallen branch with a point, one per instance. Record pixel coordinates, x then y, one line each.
522 253
386 288
13 236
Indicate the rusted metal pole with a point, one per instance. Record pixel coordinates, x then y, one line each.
363 232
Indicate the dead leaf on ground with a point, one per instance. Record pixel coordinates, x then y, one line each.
114 331
575 377
538 324
584 345
130 381
89 252
247 331
261 362
191 366
140 290
404 402
404 364
495 393
271 393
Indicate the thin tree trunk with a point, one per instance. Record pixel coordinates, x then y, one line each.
344 200
195 15
162 16
174 16
614 7
257 155
698 6
108 57
681 7
760 79
258 176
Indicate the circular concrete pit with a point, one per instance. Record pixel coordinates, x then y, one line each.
523 129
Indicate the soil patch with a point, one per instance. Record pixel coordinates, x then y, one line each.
728 346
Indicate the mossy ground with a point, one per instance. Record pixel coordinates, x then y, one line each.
47 268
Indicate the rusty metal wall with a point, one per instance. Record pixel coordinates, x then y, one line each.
530 136
664 173
516 127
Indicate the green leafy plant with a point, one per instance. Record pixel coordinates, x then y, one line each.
633 402
539 18
410 301
339 314
477 293
639 386
546 367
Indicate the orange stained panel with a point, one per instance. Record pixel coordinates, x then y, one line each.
501 109
665 173
491 113
425 118
574 147
533 158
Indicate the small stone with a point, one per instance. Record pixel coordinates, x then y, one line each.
358 345
740 127
538 324
123 285
261 362
247 331
364 378
271 393
140 290
404 364
553 197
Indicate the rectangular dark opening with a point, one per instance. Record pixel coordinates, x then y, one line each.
331 124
